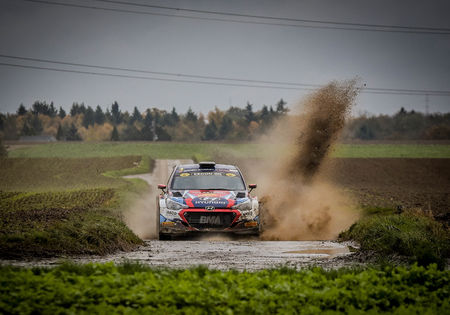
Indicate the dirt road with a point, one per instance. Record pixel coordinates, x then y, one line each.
213 251
222 252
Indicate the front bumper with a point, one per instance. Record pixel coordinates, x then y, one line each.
201 220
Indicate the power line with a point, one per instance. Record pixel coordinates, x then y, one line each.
149 78
351 27
276 18
280 84
157 72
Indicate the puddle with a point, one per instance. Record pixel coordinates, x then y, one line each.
332 252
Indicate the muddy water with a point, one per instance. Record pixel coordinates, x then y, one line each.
247 255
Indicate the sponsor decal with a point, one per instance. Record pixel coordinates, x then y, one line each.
213 202
184 174
230 174
210 220
207 174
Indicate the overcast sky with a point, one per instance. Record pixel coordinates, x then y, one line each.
221 49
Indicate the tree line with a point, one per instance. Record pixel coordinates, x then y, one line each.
403 125
95 124
234 124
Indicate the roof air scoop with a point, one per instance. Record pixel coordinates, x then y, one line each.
207 165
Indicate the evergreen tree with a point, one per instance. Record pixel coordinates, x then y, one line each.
52 110
60 133
210 131
281 109
40 108
136 116
32 125
191 116
131 133
226 127
82 109
175 117
77 109
249 115
27 130
72 133
62 113
99 116
162 134
36 124
108 115
22 110
115 134
89 117
115 113
265 118
147 130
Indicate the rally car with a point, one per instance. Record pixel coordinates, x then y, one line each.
207 197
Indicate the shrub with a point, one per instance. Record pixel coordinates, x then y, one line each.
415 235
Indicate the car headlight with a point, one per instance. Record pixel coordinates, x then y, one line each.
173 205
246 205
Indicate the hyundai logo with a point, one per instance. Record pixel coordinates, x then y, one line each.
210 208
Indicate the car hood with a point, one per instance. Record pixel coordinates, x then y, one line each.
219 199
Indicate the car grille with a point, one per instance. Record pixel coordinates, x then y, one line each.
208 220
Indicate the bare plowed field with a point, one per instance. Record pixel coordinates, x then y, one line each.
386 182
411 183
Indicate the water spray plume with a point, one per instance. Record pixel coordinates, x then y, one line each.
297 205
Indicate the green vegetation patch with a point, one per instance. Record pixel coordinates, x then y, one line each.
45 174
134 289
208 150
62 223
65 206
410 234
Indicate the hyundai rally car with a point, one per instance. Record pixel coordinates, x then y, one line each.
207 197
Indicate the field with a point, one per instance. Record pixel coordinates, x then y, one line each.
207 150
410 183
135 289
63 206
67 199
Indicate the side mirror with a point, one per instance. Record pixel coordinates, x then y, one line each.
252 186
162 187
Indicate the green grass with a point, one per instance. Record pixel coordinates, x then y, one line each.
65 206
46 174
62 223
135 289
410 234
207 150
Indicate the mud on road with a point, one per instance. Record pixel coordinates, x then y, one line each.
221 254
214 251
220 251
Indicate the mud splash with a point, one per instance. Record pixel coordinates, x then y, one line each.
298 204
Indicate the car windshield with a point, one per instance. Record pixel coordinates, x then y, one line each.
213 180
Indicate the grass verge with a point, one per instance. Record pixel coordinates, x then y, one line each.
135 289
410 234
